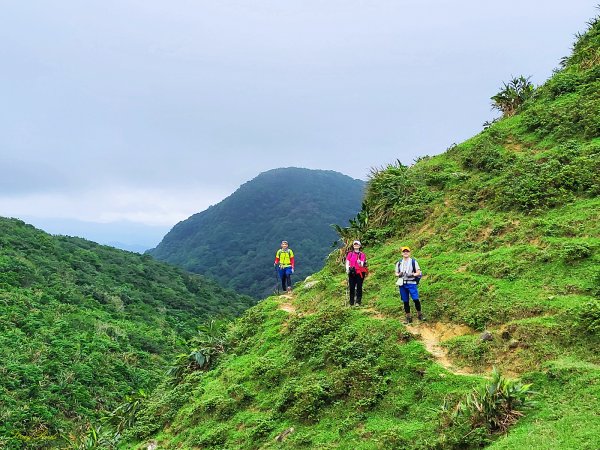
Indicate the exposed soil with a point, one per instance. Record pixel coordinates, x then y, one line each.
286 305
432 335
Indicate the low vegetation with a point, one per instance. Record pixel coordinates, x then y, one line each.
84 330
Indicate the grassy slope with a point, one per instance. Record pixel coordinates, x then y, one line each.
508 241
84 325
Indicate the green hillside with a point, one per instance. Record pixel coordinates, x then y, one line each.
82 326
234 242
506 227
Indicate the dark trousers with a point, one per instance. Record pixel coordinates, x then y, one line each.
355 283
285 273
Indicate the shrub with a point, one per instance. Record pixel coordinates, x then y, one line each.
304 398
573 251
512 95
496 405
588 317
214 438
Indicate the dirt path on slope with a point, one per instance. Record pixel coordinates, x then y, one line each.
432 335
285 304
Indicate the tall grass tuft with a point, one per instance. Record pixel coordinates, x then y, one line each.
497 405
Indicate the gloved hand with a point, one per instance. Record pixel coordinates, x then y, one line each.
292 270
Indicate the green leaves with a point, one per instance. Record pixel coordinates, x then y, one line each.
512 95
496 405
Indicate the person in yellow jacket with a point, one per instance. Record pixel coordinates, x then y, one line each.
284 260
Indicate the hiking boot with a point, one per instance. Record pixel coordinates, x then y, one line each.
420 316
289 290
408 319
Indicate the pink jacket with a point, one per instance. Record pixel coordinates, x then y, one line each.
352 260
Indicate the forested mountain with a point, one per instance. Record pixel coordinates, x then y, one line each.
83 326
235 241
506 228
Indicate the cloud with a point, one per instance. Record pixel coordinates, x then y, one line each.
153 110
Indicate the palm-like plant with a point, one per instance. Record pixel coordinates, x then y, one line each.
497 405
355 230
94 438
211 341
513 95
125 415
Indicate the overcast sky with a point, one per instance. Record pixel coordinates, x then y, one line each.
149 111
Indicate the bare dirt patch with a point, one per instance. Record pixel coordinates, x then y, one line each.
432 335
285 304
375 314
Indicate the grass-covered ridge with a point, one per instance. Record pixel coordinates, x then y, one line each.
82 326
506 229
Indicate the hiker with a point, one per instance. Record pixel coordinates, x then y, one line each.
409 273
284 259
356 268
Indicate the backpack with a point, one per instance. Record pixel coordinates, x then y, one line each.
417 279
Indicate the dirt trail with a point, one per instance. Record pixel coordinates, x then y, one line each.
286 305
432 335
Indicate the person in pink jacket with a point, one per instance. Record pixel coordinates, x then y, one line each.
356 268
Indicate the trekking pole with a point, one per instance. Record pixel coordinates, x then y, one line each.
278 280
347 297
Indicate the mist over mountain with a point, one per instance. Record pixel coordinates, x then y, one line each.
126 235
235 241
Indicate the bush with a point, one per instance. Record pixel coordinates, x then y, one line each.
495 406
588 317
574 251
305 398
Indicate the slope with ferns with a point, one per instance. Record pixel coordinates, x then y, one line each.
506 227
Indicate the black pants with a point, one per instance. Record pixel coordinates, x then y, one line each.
355 283
407 306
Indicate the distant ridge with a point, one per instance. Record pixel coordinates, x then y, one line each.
235 241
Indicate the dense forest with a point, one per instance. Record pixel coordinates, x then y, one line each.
234 242
506 228
83 327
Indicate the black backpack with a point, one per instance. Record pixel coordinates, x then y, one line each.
417 279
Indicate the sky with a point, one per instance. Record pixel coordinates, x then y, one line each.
140 113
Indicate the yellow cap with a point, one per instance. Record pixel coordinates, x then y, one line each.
405 248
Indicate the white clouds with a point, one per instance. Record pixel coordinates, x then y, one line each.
150 111
153 207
